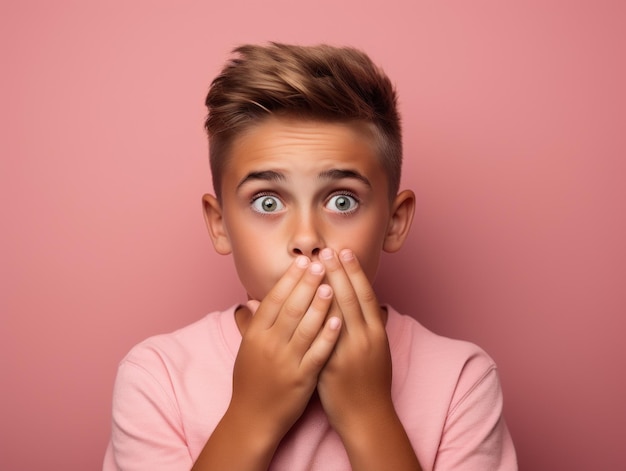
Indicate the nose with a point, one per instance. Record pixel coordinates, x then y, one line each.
305 236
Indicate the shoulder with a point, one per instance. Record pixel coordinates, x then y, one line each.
407 335
169 391
448 394
454 368
173 369
178 349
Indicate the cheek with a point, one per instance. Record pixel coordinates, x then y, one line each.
369 263
367 243
258 265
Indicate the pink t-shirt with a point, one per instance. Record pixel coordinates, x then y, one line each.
172 390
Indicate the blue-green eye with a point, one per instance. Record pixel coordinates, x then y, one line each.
342 203
267 204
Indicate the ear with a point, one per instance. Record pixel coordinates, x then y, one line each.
215 224
402 211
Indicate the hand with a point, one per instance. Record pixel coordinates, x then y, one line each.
355 384
283 349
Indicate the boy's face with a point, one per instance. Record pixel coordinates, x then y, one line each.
292 187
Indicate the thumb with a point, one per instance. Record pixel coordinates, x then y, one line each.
252 305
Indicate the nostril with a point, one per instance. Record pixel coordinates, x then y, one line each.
313 253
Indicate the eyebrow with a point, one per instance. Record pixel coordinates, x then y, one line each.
331 174
339 174
264 175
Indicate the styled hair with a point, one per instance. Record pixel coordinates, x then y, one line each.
327 83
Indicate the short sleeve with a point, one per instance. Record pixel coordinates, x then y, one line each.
475 436
147 431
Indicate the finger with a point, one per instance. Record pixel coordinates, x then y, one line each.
299 301
344 294
271 305
361 286
309 328
252 305
317 355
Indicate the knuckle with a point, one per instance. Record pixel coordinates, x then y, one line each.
368 296
317 358
275 297
306 335
292 311
380 340
363 343
348 300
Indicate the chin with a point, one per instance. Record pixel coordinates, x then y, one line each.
259 293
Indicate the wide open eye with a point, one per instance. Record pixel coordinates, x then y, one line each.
342 203
267 204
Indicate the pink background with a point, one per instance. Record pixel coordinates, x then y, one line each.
515 136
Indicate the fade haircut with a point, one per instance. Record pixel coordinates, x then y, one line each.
326 83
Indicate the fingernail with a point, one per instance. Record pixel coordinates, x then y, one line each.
252 305
326 254
302 261
347 255
334 323
325 291
316 268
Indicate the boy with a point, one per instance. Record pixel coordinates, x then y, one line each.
305 151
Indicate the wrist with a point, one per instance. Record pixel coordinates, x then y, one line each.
254 428
365 423
377 440
236 444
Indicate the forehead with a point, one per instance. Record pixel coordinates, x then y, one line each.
305 145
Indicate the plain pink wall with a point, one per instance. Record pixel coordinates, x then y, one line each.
515 145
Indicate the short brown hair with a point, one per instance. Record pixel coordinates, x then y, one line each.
311 82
